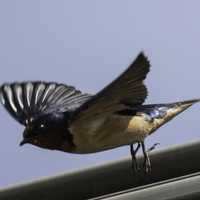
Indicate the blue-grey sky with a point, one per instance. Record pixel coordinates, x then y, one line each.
87 44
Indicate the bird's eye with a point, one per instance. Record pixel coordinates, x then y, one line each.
42 126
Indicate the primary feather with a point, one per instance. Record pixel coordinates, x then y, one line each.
28 99
128 88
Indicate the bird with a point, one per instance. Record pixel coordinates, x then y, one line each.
56 116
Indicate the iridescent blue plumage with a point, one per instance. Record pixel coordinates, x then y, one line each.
155 110
151 111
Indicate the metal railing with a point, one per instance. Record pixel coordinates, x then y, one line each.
112 181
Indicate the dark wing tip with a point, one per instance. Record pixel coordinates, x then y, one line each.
136 74
139 68
143 60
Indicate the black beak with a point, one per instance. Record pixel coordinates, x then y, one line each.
24 141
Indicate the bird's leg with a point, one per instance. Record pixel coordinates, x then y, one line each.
133 155
153 147
147 163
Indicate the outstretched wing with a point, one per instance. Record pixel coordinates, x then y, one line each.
27 99
127 89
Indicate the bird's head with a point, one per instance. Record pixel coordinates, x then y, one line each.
46 131
45 109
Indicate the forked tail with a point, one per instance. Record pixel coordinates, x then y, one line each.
171 111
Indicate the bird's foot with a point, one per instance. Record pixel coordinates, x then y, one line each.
147 162
147 165
153 147
135 165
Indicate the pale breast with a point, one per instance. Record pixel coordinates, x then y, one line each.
139 126
108 133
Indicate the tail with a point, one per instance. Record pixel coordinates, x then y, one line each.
186 104
171 111
183 105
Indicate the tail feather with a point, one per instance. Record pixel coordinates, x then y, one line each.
188 102
172 111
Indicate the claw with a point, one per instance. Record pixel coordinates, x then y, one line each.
153 147
147 162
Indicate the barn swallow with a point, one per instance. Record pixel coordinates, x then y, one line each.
60 117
